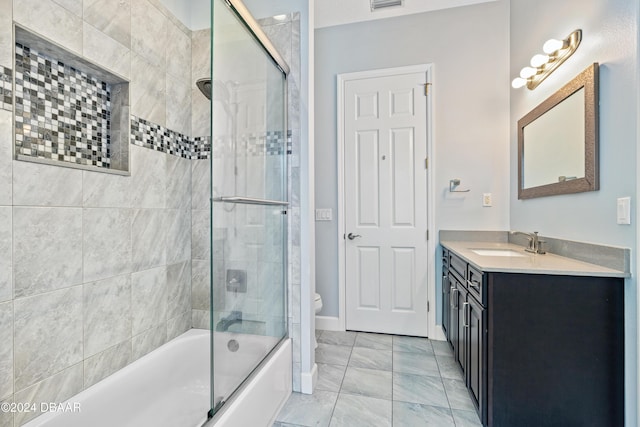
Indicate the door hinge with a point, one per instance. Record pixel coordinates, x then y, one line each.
426 163
426 88
427 234
428 307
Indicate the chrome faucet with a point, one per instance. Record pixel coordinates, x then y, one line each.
535 244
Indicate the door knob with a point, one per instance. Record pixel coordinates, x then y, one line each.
352 236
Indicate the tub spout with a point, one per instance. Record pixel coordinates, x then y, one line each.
224 323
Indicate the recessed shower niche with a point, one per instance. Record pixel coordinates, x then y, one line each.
67 111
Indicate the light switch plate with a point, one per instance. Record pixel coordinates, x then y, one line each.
324 214
486 199
624 210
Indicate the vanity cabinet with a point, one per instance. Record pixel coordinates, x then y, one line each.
446 293
469 339
538 349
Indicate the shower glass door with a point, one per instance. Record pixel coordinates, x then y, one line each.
249 202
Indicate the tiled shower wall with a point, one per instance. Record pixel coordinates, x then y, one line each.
95 268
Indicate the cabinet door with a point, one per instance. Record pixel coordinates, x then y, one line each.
461 341
453 314
475 372
446 302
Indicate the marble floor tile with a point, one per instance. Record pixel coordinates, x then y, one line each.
360 411
458 394
449 367
412 345
370 358
376 341
414 414
367 382
415 363
442 348
330 377
308 409
465 418
419 389
333 354
338 337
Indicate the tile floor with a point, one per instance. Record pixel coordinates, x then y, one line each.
382 380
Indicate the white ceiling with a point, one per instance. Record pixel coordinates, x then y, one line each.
338 12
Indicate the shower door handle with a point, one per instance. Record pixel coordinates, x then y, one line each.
352 236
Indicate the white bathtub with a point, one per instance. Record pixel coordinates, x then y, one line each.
169 387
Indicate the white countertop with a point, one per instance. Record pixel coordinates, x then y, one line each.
529 263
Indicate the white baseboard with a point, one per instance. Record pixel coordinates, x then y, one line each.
438 334
328 323
308 380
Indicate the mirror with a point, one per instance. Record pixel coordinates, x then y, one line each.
558 141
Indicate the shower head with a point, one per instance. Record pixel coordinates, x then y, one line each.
205 87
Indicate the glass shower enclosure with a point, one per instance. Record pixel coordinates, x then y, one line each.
249 198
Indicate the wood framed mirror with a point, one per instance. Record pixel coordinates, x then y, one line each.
558 141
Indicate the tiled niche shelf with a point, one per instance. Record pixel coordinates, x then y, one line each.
68 111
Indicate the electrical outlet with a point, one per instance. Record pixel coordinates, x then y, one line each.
486 199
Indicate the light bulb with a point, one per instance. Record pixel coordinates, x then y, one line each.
552 45
539 60
518 82
527 72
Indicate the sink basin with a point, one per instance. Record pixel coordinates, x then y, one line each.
498 252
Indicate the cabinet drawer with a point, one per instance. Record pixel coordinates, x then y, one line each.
459 267
475 284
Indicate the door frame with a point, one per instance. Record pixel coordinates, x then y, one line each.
427 69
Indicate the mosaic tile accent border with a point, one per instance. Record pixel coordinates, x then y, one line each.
61 113
159 138
6 91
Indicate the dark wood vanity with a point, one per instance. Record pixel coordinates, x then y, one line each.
536 349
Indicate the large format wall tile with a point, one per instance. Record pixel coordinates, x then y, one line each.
112 18
63 185
178 325
178 96
106 243
107 313
48 335
106 363
105 51
47 249
179 52
148 299
6 146
6 350
149 33
178 235
178 289
148 92
148 341
6 35
201 184
148 178
148 239
104 190
56 388
51 20
200 234
73 6
200 285
178 177
6 245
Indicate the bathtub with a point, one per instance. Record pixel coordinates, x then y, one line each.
169 387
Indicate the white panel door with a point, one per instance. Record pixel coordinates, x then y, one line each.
385 146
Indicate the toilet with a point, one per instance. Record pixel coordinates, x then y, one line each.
318 306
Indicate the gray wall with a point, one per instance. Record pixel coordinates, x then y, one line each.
468 47
610 37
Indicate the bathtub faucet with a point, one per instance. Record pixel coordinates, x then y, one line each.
233 317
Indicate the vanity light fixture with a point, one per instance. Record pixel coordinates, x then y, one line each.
555 53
